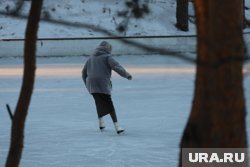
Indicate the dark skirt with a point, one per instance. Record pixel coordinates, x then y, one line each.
104 104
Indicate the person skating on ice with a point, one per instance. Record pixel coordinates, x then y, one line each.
96 75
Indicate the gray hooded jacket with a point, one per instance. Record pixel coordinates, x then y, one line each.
97 71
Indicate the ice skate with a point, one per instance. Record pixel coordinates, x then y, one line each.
118 128
101 123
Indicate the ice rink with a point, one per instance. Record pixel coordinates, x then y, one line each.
62 128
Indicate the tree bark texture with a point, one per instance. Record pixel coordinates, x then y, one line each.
182 15
244 15
218 116
18 124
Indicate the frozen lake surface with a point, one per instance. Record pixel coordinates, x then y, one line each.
62 128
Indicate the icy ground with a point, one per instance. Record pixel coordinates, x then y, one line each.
62 129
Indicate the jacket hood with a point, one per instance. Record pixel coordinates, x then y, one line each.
103 48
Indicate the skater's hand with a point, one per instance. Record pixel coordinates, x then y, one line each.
130 77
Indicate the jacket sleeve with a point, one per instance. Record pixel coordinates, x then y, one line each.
84 73
118 68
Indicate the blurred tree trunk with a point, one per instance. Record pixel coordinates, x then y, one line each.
182 15
245 21
18 124
218 116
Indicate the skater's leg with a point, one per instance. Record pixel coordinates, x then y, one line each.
112 108
113 116
105 106
118 128
98 102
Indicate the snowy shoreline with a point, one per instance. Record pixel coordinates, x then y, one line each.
54 47
86 46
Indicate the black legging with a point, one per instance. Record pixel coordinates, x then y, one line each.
104 105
